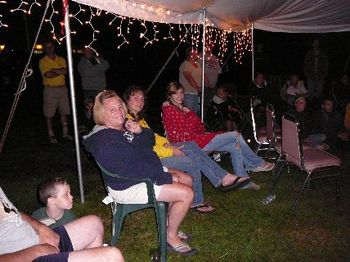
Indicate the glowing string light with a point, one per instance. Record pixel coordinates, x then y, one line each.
35 3
221 39
120 34
20 7
94 31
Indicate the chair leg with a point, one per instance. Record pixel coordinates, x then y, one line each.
301 191
337 197
267 151
161 210
275 177
257 149
117 223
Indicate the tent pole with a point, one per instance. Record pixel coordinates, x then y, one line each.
72 96
203 63
165 64
253 53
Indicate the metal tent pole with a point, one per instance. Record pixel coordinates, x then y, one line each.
203 63
253 53
72 96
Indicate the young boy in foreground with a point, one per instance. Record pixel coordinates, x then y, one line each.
54 194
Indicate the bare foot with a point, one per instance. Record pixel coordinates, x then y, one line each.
230 178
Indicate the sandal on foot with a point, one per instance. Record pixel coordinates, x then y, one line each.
266 166
53 140
183 236
237 183
182 249
203 208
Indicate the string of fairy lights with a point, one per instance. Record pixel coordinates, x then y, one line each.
150 33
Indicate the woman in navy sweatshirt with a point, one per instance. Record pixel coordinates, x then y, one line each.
123 147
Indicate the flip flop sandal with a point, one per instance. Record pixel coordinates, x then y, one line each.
235 185
197 208
183 236
182 249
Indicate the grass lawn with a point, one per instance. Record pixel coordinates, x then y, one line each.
240 229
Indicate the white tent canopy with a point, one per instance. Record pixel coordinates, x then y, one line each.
292 16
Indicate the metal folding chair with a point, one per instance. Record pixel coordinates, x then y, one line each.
315 163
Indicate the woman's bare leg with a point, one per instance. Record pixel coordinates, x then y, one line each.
181 197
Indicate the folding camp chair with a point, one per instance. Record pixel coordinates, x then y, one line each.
120 211
259 135
273 134
313 162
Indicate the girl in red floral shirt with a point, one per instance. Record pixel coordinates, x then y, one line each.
181 124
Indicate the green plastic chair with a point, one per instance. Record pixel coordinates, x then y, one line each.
120 211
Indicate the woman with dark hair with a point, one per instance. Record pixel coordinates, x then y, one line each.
125 148
187 157
182 124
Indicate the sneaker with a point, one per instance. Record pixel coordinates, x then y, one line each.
265 167
251 186
323 146
216 157
53 140
67 137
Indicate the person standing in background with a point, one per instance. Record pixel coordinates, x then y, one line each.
53 69
315 69
92 70
212 71
190 76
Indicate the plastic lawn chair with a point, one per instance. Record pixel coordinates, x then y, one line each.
120 211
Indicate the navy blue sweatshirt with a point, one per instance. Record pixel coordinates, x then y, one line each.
126 154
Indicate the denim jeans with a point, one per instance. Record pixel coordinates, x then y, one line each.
191 101
195 162
242 156
315 140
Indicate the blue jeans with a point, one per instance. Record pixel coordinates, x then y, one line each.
315 140
195 162
191 101
242 156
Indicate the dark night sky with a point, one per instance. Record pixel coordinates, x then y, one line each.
282 53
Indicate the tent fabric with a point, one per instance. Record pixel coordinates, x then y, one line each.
292 16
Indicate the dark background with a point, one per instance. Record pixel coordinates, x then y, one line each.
276 54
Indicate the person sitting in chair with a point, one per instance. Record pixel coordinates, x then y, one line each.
125 148
182 124
187 156
223 112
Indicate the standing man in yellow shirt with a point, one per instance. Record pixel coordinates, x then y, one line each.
55 95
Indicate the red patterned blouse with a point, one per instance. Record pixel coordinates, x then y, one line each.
183 126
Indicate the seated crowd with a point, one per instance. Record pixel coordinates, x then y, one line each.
122 142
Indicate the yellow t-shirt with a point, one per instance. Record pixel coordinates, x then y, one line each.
160 141
46 64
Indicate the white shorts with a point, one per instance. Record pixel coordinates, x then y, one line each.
136 194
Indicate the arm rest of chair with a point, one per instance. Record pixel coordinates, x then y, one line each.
147 181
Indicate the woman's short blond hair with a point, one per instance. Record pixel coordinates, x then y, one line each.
98 112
